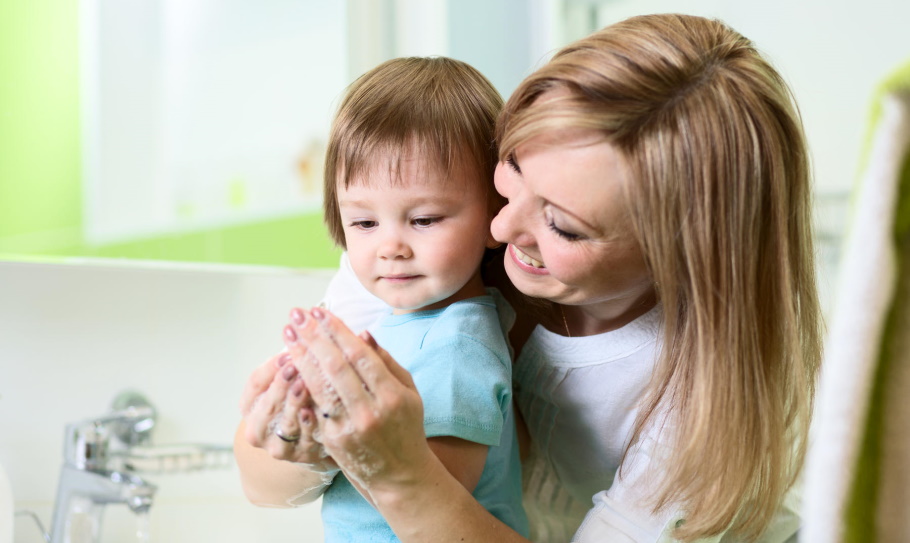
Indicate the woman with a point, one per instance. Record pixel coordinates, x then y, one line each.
659 203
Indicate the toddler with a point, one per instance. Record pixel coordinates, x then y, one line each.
409 195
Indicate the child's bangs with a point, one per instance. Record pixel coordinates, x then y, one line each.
381 158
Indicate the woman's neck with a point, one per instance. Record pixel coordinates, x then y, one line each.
589 320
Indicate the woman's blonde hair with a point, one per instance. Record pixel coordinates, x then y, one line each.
441 108
720 201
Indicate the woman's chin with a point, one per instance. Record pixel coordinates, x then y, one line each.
530 284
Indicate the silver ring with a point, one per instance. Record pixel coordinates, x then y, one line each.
286 439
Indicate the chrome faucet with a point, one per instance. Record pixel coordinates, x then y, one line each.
101 460
90 474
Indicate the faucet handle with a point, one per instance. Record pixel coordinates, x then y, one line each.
86 446
133 418
131 421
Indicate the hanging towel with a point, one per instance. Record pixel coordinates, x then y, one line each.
857 479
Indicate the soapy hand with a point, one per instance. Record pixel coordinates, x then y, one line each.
275 397
366 406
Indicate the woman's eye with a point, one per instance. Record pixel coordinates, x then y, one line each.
510 160
562 233
426 221
364 225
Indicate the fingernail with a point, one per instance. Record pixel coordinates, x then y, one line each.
367 337
284 359
297 388
318 313
290 334
289 373
298 317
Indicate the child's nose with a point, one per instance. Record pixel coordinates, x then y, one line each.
393 246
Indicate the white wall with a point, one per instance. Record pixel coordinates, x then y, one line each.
834 54
72 336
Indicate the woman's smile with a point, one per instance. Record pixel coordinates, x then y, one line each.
526 262
569 232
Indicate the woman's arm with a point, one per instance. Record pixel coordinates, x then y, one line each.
371 421
436 507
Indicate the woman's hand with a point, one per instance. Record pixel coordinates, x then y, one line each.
370 418
277 411
368 411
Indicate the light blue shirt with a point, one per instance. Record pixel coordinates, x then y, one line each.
459 359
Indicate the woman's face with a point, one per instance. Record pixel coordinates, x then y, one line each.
569 233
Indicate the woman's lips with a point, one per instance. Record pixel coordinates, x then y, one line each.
527 263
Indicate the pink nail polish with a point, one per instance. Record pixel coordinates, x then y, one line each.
297 388
318 313
368 338
298 317
290 334
289 373
283 359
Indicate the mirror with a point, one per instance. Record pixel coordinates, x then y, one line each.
196 130
174 130
202 115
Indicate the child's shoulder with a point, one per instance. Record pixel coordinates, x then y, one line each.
476 310
482 319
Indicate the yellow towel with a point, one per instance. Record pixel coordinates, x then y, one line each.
857 485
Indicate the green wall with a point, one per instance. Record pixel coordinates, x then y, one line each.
40 185
39 146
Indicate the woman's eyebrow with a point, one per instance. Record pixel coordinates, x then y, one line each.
570 214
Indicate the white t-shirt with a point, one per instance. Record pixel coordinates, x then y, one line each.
347 298
579 398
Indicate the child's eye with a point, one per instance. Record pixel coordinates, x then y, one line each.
364 225
426 221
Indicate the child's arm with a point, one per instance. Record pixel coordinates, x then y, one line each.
272 472
464 459
269 482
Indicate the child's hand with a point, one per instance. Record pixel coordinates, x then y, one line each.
367 406
277 409
299 432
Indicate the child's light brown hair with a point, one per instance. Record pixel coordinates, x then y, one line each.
441 108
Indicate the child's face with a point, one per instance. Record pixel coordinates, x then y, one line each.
417 242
